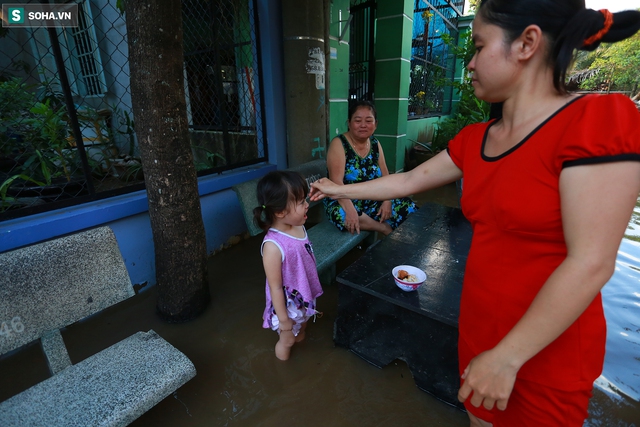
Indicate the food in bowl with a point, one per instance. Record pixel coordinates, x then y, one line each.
405 276
408 278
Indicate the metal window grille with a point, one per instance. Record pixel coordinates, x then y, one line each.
361 52
87 61
221 70
43 58
432 62
53 155
79 48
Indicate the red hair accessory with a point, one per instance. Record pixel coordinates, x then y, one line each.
608 21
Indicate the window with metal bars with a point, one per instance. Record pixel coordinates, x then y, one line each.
80 50
432 59
221 70
41 163
86 56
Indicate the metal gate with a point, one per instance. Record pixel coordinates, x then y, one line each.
361 58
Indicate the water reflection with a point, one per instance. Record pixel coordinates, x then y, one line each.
617 395
240 383
633 229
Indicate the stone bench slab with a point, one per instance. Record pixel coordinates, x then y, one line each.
331 244
110 388
53 284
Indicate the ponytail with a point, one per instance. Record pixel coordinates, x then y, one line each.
274 192
262 221
566 24
625 24
585 31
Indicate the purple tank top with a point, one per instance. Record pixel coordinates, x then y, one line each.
299 270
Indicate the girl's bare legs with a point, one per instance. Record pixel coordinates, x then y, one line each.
301 334
368 223
284 344
477 422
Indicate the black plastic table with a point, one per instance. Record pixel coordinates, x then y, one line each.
381 323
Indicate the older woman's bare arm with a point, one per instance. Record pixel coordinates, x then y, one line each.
336 163
435 172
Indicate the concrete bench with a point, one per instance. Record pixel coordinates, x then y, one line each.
44 288
329 243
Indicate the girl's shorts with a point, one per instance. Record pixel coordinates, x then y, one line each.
532 404
299 311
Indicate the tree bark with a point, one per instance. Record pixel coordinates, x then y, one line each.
154 32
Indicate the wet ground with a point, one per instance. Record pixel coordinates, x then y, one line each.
239 382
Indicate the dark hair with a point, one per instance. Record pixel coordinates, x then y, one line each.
353 107
565 23
275 191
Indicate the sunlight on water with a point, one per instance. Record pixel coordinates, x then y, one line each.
622 309
633 229
617 397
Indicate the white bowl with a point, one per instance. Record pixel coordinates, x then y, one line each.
409 286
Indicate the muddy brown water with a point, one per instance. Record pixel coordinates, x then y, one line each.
239 382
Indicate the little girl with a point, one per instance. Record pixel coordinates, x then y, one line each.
287 256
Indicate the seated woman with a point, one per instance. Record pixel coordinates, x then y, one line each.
357 156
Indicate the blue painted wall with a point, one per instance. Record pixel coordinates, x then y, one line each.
128 214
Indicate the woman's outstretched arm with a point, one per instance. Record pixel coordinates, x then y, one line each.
435 172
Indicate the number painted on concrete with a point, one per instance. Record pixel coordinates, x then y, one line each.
17 325
14 326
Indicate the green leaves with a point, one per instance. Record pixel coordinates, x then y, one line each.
618 66
6 201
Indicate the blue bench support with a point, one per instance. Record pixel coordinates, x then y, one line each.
50 285
329 243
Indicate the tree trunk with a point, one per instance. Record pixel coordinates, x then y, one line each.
154 32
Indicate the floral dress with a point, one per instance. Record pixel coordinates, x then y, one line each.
359 169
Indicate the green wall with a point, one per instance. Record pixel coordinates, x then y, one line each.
421 130
338 68
394 26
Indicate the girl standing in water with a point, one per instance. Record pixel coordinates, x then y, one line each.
287 256
548 188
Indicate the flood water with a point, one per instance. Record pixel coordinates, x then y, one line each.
240 383
616 401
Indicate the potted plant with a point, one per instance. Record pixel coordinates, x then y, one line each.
126 167
420 104
37 157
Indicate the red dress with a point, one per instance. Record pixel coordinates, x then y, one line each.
513 204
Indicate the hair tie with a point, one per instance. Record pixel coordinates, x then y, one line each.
608 21
264 207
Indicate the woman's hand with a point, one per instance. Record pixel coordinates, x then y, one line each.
385 211
352 220
322 188
490 377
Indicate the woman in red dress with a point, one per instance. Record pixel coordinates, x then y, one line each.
548 188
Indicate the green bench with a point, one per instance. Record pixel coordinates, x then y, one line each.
48 286
329 243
